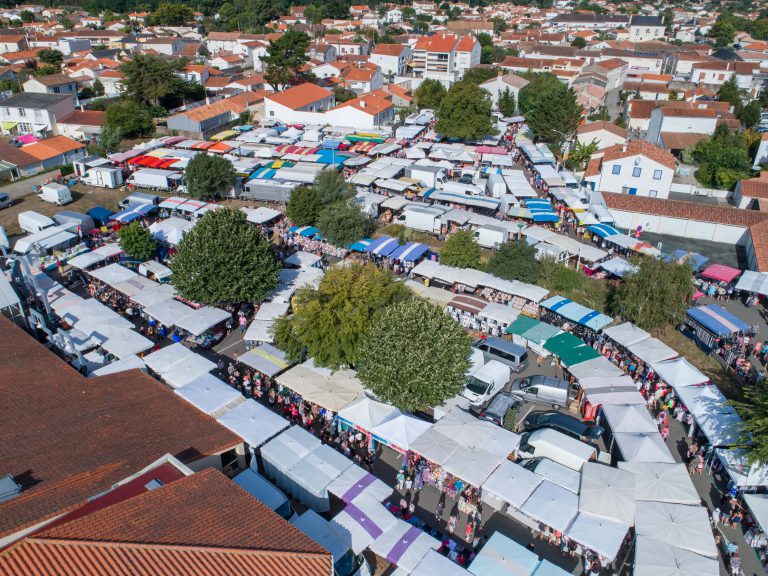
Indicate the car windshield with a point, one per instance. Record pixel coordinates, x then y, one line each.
477 386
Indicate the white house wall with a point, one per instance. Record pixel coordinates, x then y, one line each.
681 227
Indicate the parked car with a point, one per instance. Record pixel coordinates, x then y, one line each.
501 407
5 200
563 423
539 388
504 351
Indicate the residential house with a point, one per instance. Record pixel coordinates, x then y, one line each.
54 151
112 80
23 58
751 192
82 124
32 113
588 21
749 77
14 163
604 133
393 16
644 28
251 83
170 46
391 58
302 104
638 61
346 45
496 86
13 43
615 70
226 61
95 456
322 52
398 94
639 111
466 27
635 167
204 121
649 90
138 18
357 11
196 73
467 55
362 77
222 41
52 84
715 73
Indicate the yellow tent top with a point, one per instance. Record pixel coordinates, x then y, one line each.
224 135
9 125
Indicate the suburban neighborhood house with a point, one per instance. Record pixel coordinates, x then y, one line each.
633 168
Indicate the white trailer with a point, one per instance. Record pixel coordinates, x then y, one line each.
496 186
432 176
491 236
103 177
424 218
459 188
154 179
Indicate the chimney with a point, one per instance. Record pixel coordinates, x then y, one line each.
362 103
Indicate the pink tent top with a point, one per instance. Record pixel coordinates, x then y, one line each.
721 273
491 150
26 139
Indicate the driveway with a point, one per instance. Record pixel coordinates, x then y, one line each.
25 187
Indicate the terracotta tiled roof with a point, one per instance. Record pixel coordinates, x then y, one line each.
689 112
54 80
436 43
466 44
217 81
14 155
688 210
593 167
201 525
224 36
759 233
640 147
603 125
51 147
66 438
642 108
368 103
85 118
611 64
755 187
388 49
21 55
681 140
300 96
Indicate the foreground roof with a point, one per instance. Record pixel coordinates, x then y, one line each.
66 438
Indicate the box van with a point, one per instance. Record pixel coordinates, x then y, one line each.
545 389
485 382
265 492
504 351
336 541
75 220
32 222
548 443
55 194
138 198
5 200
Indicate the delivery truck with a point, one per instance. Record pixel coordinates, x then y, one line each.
155 179
103 177
55 194
424 218
490 236
432 176
32 222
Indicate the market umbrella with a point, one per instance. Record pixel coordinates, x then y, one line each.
607 492
662 482
654 558
687 527
600 534
502 556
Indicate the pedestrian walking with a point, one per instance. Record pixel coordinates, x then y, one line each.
400 480
439 510
242 321
468 531
715 519
452 524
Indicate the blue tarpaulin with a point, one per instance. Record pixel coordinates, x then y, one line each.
409 252
133 213
383 246
100 214
717 320
695 259
541 210
603 230
360 245
574 312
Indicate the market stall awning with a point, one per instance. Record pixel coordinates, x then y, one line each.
603 535
655 558
643 447
282 452
607 492
662 482
679 372
362 521
472 465
502 556
509 484
401 432
404 545
629 418
133 213
754 282
599 367
202 319
562 342
366 413
209 394
578 355
254 423
717 320
576 312
310 476
603 230
687 527
743 474
522 325
652 350
266 358
355 482
552 505
626 334
409 252
383 246
721 273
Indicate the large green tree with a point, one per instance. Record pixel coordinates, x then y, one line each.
331 187
461 250
136 241
655 296
329 321
303 206
465 113
515 261
50 56
149 79
754 418
285 56
343 223
581 154
538 83
130 119
208 177
750 115
171 14
224 259
723 159
507 103
479 74
555 115
414 356
429 94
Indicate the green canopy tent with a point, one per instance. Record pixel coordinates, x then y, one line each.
521 325
578 355
541 333
562 343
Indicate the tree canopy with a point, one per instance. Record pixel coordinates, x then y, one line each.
723 159
150 79
414 355
171 14
129 119
285 56
461 250
136 241
303 206
657 295
343 222
50 56
224 259
515 261
208 177
329 322
754 417
553 114
478 75
465 113
429 94
507 103
538 83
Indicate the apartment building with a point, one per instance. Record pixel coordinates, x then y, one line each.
445 57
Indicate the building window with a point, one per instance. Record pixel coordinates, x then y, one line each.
616 169
657 174
22 112
636 172
653 193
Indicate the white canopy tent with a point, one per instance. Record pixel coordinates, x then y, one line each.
603 535
552 505
629 418
324 533
202 319
662 482
112 274
302 259
330 390
470 432
435 563
606 398
310 476
473 465
558 474
154 295
266 358
171 230
400 432
271 311
509 484
134 286
259 331
128 363
254 423
754 282
434 446
168 312
596 367
643 447
262 215
404 545
652 350
126 343
283 451
743 474
363 521
502 556
607 492
679 372
614 383
188 370
687 527
367 413
654 558
758 504
626 334
166 358
355 481
209 394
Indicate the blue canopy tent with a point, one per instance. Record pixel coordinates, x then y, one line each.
360 245
331 143
243 128
541 210
133 213
711 322
306 231
574 312
695 259
603 230
383 246
100 214
409 252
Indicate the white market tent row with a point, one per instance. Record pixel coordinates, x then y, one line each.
570 245
267 359
552 505
626 334
363 521
654 558
607 492
125 343
404 545
717 419
595 367
302 259
510 484
603 535
652 350
643 447
355 482
366 413
169 312
473 465
475 279
465 430
679 373
741 473
685 527
617 383
209 394
254 423
558 474
629 418
758 504
400 432
202 319
178 365
260 329
283 451
329 390
308 479
662 482
155 295
83 261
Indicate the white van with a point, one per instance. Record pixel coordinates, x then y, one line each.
548 443
265 492
55 194
32 222
336 541
485 382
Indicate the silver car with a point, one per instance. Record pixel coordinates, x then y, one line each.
5 200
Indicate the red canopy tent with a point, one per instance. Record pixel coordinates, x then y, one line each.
721 273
